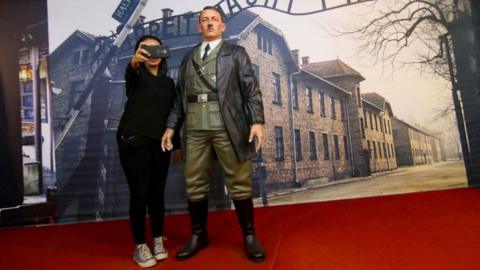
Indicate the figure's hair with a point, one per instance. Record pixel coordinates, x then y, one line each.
222 15
163 68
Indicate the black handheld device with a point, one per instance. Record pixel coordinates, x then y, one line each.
157 51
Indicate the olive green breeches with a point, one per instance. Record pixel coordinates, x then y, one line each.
199 157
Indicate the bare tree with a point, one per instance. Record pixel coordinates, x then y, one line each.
406 25
433 28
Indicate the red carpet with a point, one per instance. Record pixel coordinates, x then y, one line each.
433 230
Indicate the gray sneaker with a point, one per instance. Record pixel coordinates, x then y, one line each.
159 251
143 256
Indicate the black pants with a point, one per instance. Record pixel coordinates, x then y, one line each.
146 168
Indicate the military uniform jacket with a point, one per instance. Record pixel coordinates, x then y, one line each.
202 115
239 97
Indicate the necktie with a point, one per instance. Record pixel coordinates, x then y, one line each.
207 48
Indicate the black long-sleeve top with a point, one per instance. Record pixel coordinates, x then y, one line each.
149 101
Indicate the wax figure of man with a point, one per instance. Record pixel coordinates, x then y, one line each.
219 99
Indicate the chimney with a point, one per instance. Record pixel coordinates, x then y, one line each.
140 20
167 12
305 60
295 56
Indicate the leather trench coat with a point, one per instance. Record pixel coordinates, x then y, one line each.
239 96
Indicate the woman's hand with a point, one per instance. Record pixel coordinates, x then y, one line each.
167 139
139 57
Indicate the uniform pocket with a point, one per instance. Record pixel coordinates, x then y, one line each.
214 115
191 119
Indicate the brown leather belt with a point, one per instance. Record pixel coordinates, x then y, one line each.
202 98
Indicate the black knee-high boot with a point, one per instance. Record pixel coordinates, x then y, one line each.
254 249
199 238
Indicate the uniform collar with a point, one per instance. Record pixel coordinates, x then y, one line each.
213 44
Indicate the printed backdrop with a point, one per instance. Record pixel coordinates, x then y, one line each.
350 111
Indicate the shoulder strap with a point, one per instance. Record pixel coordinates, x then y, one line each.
202 77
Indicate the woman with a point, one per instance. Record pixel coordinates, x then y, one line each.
150 95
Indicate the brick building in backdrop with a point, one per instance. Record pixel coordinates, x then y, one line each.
377 115
415 146
318 124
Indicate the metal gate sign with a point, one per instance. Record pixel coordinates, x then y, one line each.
125 10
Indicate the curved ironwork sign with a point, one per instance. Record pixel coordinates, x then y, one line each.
233 7
182 25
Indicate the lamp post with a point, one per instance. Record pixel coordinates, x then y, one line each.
31 72
37 116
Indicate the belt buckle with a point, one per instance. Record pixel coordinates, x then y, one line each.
202 98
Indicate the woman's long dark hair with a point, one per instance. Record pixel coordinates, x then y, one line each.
163 68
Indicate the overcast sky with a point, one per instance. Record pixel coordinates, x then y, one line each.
414 96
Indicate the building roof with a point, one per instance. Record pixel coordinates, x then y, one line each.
77 35
240 23
332 69
87 35
337 87
377 101
418 129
